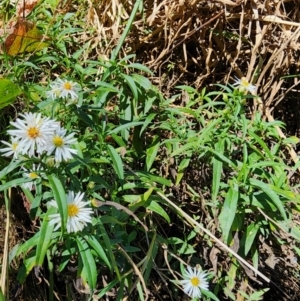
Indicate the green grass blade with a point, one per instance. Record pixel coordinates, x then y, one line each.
126 30
108 244
217 171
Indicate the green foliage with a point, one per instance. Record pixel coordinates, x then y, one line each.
132 144
8 92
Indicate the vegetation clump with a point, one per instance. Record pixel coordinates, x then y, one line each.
135 165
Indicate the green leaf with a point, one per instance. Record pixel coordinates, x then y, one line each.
12 165
108 245
131 85
250 235
117 161
258 295
154 206
147 121
60 197
27 266
94 243
291 140
150 258
107 288
262 144
125 126
142 81
210 295
150 179
139 67
8 92
14 183
45 239
151 152
228 212
2 298
266 188
89 269
181 168
105 86
138 201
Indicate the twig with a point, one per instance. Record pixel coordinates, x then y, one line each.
196 224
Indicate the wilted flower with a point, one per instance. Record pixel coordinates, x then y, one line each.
244 85
194 281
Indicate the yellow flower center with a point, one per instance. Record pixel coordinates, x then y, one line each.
244 82
33 175
72 210
67 86
33 132
58 141
14 146
195 281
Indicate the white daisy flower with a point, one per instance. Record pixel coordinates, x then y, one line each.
13 148
60 143
194 281
64 89
78 216
244 85
33 132
33 175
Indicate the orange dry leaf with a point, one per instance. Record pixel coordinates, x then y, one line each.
25 38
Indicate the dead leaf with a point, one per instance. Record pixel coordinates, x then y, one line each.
213 256
26 37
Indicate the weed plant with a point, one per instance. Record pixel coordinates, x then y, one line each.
128 188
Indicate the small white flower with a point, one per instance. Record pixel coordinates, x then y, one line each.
78 216
33 175
244 85
12 149
64 89
33 132
194 280
60 143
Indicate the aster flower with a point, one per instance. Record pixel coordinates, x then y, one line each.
78 216
12 148
33 175
194 281
64 89
33 132
60 143
244 85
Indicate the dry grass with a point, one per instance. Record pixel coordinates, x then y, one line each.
204 42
